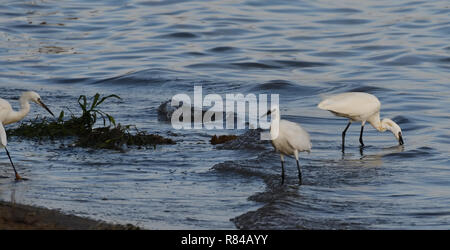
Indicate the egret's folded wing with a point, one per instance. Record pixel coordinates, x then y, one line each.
351 104
296 136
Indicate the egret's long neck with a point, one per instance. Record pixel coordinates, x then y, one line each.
15 116
374 120
275 124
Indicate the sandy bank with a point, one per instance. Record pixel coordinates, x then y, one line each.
18 216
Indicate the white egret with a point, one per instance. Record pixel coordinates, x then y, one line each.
8 116
363 107
288 138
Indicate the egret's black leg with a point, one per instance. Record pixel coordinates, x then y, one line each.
360 136
282 172
12 164
299 174
343 135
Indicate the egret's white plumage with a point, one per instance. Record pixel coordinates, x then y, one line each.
8 116
363 107
288 138
357 106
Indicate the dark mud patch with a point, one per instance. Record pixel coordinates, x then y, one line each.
24 217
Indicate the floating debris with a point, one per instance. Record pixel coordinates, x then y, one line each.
54 50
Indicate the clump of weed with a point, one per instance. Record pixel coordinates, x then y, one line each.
109 137
116 137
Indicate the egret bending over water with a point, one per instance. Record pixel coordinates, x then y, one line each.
363 107
288 138
8 116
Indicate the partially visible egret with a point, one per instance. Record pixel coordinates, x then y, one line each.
288 138
363 107
8 116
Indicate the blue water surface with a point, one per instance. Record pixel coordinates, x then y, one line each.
148 51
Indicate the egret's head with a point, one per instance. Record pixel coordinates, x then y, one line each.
31 96
274 110
394 128
36 98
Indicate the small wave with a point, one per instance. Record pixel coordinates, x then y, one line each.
338 54
401 119
238 168
180 35
270 217
222 49
267 64
151 77
273 85
379 47
255 65
348 21
415 153
299 64
444 60
406 60
286 88
251 139
71 80
368 89
340 10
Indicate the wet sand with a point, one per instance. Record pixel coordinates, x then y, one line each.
15 216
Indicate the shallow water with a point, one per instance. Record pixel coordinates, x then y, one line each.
147 51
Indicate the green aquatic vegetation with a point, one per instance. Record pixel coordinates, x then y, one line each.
110 136
91 112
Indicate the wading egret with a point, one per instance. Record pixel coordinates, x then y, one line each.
8 116
288 138
363 107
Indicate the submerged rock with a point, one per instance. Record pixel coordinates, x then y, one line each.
166 110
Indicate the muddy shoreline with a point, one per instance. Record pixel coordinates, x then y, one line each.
15 216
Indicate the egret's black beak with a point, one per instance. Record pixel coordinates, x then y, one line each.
266 114
400 138
45 106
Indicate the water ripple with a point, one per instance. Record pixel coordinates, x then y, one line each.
147 51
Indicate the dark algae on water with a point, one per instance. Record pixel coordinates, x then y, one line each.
113 136
222 139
